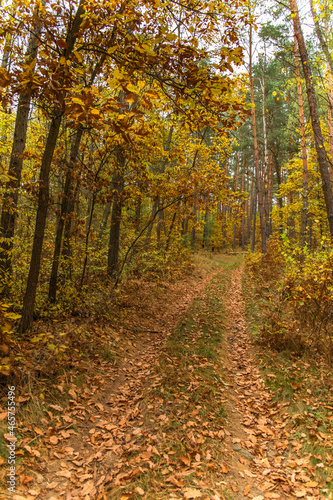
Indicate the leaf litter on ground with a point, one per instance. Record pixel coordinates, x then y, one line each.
183 413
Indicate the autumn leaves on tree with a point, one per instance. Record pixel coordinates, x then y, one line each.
129 136
126 106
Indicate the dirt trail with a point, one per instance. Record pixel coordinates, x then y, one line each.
264 464
85 453
105 418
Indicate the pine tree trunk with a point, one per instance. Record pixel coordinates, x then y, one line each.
259 194
305 195
319 143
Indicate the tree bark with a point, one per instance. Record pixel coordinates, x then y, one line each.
65 204
104 221
318 137
305 194
259 195
114 238
320 35
43 196
43 202
11 195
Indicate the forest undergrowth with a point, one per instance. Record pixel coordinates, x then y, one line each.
288 295
177 399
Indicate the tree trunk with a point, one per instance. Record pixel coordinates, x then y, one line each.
205 235
88 229
320 35
319 143
43 196
330 109
104 221
65 205
259 195
250 214
254 222
305 196
194 220
114 239
11 195
170 230
43 202
160 222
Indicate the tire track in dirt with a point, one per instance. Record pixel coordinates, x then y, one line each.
262 461
84 465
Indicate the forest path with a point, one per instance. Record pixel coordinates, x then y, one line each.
185 415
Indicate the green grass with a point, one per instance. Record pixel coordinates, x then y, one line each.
188 388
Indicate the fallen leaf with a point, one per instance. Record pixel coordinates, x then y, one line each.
311 484
225 469
140 491
64 473
56 407
186 459
52 485
54 440
300 493
247 489
72 393
192 493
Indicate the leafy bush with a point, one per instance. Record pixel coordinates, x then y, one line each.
298 287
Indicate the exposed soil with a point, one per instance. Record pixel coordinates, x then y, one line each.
81 451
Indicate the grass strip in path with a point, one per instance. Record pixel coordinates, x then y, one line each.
181 454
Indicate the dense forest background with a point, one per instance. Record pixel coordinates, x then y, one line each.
134 134
166 263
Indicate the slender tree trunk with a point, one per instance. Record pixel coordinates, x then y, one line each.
243 209
43 197
320 35
235 211
250 212
86 246
160 221
150 227
259 195
305 195
205 236
63 215
114 239
43 202
194 217
268 195
11 195
170 230
254 222
319 143
104 221
66 252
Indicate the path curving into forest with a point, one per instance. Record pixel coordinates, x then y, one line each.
185 414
